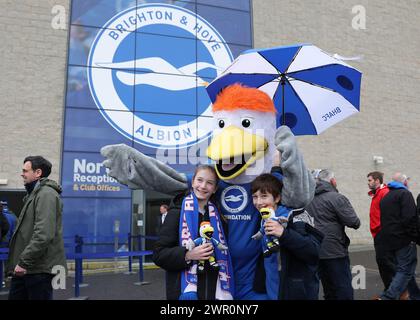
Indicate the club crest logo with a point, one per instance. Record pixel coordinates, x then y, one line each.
234 199
149 66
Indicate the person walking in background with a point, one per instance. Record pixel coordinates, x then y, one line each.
333 212
173 252
163 211
378 190
397 237
413 290
37 243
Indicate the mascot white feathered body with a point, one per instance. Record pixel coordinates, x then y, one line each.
244 145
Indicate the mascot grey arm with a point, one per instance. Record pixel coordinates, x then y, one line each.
299 185
138 171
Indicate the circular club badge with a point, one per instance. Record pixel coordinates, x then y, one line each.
149 66
234 199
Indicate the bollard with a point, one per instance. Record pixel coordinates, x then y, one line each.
77 283
130 258
77 280
79 261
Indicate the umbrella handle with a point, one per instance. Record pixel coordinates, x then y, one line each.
283 83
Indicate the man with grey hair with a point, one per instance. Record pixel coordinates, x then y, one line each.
333 212
315 173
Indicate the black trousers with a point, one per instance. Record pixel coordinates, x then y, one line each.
32 287
336 278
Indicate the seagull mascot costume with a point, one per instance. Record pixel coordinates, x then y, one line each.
244 145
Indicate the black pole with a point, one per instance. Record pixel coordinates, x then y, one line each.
283 83
130 248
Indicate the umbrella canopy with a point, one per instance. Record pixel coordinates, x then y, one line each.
312 90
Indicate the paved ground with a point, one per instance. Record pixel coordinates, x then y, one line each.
120 286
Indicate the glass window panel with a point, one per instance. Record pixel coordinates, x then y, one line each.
87 130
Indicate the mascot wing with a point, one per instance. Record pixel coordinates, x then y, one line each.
138 171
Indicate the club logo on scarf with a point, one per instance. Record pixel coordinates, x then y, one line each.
154 61
234 199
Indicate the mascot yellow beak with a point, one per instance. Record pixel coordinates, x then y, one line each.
234 150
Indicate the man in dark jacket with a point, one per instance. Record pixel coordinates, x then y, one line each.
163 211
333 212
299 256
398 235
37 244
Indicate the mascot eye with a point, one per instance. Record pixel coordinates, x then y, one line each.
246 123
221 123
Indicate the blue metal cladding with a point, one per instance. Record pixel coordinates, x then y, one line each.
137 72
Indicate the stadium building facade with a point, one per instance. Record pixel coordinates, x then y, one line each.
79 75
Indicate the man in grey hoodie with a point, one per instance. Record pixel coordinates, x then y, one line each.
333 212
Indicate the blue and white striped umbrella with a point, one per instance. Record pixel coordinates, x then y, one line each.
311 89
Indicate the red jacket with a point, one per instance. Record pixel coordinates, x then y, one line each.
375 211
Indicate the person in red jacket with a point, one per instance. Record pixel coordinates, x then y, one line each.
378 190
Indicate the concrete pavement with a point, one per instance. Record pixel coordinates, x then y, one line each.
113 285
